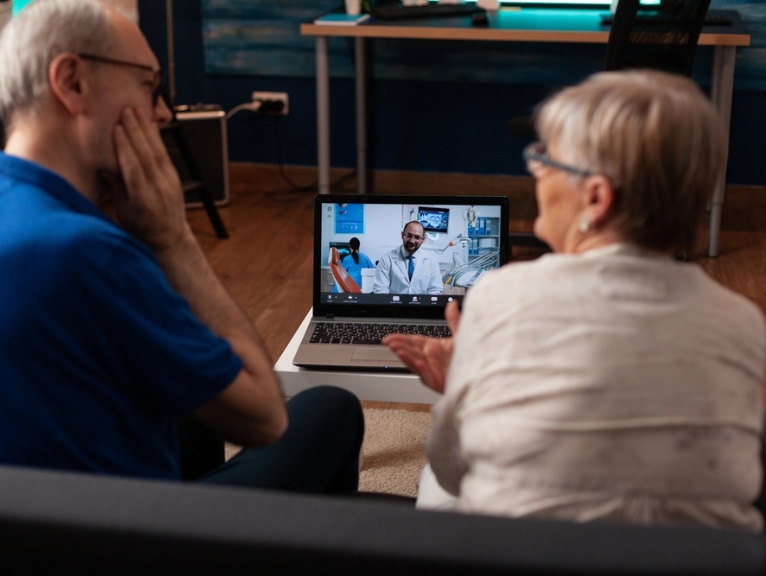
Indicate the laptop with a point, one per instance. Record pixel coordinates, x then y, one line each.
355 303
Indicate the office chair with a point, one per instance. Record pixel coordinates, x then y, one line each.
343 280
661 38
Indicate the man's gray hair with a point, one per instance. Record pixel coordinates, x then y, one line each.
32 39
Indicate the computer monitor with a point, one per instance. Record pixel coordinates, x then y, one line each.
434 219
342 248
604 4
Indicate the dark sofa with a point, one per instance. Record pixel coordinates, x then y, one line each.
53 522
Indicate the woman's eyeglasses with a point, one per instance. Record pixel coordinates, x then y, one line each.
536 156
156 70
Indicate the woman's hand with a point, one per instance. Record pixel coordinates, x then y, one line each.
429 358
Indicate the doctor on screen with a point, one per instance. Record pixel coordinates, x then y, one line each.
407 269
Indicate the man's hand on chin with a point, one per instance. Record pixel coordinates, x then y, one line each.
150 202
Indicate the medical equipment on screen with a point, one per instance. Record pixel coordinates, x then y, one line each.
459 239
465 275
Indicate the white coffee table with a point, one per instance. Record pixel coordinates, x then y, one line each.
375 386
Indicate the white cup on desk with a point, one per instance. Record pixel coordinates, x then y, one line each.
353 7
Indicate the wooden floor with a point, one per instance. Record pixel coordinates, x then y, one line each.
266 262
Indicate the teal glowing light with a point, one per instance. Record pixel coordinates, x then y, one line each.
573 3
18 5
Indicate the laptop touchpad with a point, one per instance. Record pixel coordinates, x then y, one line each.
380 353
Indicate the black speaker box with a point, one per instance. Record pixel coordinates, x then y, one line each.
204 127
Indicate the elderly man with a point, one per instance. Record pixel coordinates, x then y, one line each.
407 270
111 331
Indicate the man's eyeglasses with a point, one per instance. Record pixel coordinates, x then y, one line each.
156 70
536 156
409 236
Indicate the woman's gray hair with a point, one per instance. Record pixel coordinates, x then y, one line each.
39 33
659 140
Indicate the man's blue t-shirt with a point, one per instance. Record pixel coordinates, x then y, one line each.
98 354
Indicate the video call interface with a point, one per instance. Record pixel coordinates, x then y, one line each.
458 244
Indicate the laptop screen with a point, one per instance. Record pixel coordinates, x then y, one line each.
403 256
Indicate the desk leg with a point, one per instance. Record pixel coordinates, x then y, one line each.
323 114
721 93
361 114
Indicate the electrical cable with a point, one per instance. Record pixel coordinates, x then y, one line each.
252 106
280 162
256 107
314 186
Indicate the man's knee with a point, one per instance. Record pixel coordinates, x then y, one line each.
330 397
328 404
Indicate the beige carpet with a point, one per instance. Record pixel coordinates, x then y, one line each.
393 451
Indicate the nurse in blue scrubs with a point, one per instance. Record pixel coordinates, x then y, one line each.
354 262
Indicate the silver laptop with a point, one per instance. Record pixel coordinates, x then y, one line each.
362 286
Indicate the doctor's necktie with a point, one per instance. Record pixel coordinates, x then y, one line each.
411 267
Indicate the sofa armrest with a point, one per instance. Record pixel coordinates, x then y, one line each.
78 522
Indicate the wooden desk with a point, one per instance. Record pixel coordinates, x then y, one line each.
526 25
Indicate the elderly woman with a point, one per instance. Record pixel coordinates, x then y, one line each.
606 380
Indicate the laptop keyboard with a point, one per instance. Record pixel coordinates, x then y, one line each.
355 333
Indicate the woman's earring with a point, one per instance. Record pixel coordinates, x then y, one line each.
584 225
